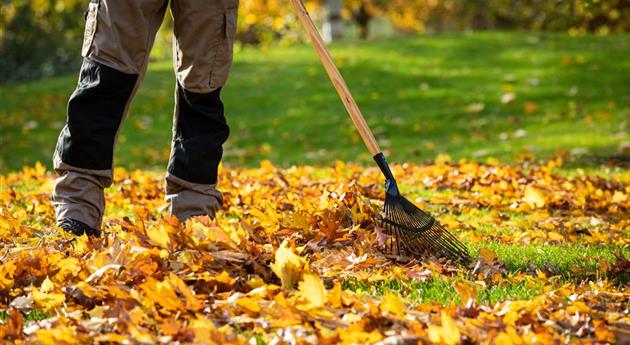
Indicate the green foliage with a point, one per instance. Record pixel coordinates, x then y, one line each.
39 38
267 20
42 38
575 16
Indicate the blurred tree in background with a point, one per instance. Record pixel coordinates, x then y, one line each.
264 20
39 38
575 16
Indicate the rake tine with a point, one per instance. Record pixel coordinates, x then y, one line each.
419 233
452 247
395 220
395 249
390 240
392 237
430 238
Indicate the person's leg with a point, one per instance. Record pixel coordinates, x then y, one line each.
204 32
118 38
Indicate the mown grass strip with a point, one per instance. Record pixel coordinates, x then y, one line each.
441 290
572 263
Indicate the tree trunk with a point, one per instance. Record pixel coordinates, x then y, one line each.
362 18
333 27
480 16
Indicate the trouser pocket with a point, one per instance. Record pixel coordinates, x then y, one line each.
203 46
91 22
223 60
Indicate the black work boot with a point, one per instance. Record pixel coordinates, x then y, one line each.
78 228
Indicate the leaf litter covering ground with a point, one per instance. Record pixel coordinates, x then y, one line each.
274 268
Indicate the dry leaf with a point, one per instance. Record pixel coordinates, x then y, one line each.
534 197
288 266
47 297
311 292
447 333
214 281
393 304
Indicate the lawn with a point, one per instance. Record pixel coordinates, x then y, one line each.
422 96
294 253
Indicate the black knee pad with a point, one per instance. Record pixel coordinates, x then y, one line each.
95 111
200 131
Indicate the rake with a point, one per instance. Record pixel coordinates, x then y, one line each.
409 230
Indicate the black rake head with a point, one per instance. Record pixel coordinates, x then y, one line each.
415 233
410 230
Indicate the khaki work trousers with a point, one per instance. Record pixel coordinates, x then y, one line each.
118 38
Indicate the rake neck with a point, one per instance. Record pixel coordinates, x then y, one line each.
391 187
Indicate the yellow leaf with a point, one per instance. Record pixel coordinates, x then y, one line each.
111 338
510 337
140 334
288 266
224 278
80 244
450 222
619 196
312 292
248 304
554 236
7 269
466 291
604 335
442 159
447 333
513 311
352 336
255 282
578 307
487 255
46 298
47 285
392 303
160 292
158 236
203 329
57 335
334 296
68 267
534 197
192 303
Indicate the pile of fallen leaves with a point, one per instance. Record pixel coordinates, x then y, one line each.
272 268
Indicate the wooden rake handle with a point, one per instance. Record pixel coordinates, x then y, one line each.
336 78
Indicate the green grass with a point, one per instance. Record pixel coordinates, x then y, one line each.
562 264
442 290
29 315
571 262
416 94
